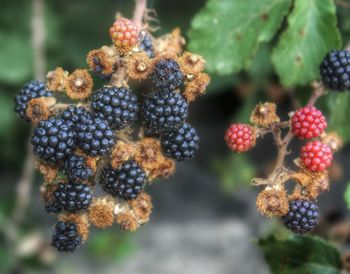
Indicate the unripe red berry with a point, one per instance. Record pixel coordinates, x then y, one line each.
308 122
316 156
124 34
240 137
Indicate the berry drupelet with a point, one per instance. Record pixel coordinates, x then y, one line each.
95 137
167 75
76 169
181 144
71 197
308 122
164 111
147 46
74 115
117 105
316 156
33 89
66 237
125 182
240 137
53 140
335 70
302 216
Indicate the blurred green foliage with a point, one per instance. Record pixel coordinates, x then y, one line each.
295 254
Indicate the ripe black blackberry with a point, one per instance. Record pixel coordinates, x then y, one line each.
147 46
181 144
164 111
33 89
125 182
95 137
76 168
74 115
302 216
167 75
66 236
118 106
53 140
335 70
70 197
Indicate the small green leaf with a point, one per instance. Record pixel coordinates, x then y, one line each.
300 255
227 32
312 31
347 195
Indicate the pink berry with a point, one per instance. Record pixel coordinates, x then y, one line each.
316 156
124 33
240 137
308 123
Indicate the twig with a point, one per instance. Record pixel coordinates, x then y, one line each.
139 11
283 143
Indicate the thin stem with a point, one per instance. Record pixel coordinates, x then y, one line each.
139 11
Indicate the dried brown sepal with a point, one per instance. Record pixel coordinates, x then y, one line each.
100 61
81 221
142 206
165 169
318 186
79 84
196 87
121 153
50 173
56 79
46 192
127 221
39 109
272 202
264 115
101 212
171 42
149 156
139 66
333 140
191 63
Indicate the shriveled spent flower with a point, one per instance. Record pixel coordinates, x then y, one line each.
38 109
56 79
79 84
101 212
142 206
121 153
196 87
100 63
50 173
191 63
127 221
139 66
264 115
272 202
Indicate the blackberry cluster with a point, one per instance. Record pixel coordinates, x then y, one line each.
302 216
71 197
95 137
164 111
53 140
33 89
181 144
76 168
335 70
147 46
167 75
118 106
66 237
125 182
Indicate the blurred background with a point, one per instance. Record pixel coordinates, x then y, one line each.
204 218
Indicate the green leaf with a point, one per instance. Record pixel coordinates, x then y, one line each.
16 58
347 195
338 113
227 32
311 33
300 255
